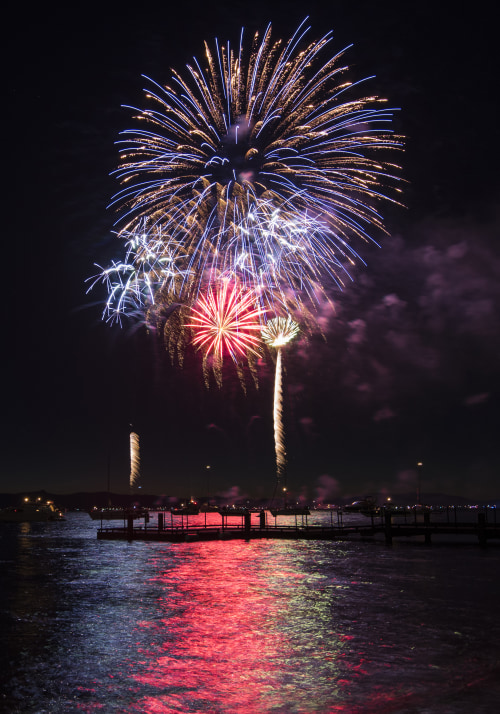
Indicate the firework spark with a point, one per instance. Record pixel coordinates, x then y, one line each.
256 167
278 332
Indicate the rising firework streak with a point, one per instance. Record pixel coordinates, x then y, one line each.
277 333
135 459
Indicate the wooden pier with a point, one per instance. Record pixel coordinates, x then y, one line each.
382 527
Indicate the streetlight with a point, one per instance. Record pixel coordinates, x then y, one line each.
207 469
419 479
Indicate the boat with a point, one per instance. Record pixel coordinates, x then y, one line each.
233 511
110 513
207 508
367 506
290 511
31 511
190 509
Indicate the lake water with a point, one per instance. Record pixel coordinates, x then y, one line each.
244 627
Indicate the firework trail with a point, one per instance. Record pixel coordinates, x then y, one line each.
277 333
258 166
135 459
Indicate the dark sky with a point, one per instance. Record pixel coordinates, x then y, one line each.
409 370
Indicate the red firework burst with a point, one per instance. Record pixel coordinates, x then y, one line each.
227 319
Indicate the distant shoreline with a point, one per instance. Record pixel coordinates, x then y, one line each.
101 499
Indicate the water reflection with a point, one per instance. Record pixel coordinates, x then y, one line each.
295 627
218 634
254 628
243 627
27 574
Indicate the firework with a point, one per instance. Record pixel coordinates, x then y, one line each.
254 167
226 321
277 333
151 265
135 459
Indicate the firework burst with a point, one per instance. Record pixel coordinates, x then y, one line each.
226 321
151 266
256 166
279 331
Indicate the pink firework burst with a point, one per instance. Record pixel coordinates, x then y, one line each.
227 320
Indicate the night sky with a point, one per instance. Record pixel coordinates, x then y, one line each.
409 370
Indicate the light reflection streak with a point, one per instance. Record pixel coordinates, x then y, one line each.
257 628
219 643
232 633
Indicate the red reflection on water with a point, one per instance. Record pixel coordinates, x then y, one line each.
379 703
249 627
218 641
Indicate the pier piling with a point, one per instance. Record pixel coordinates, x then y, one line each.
427 526
388 527
481 528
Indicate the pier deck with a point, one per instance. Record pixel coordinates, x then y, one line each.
480 531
